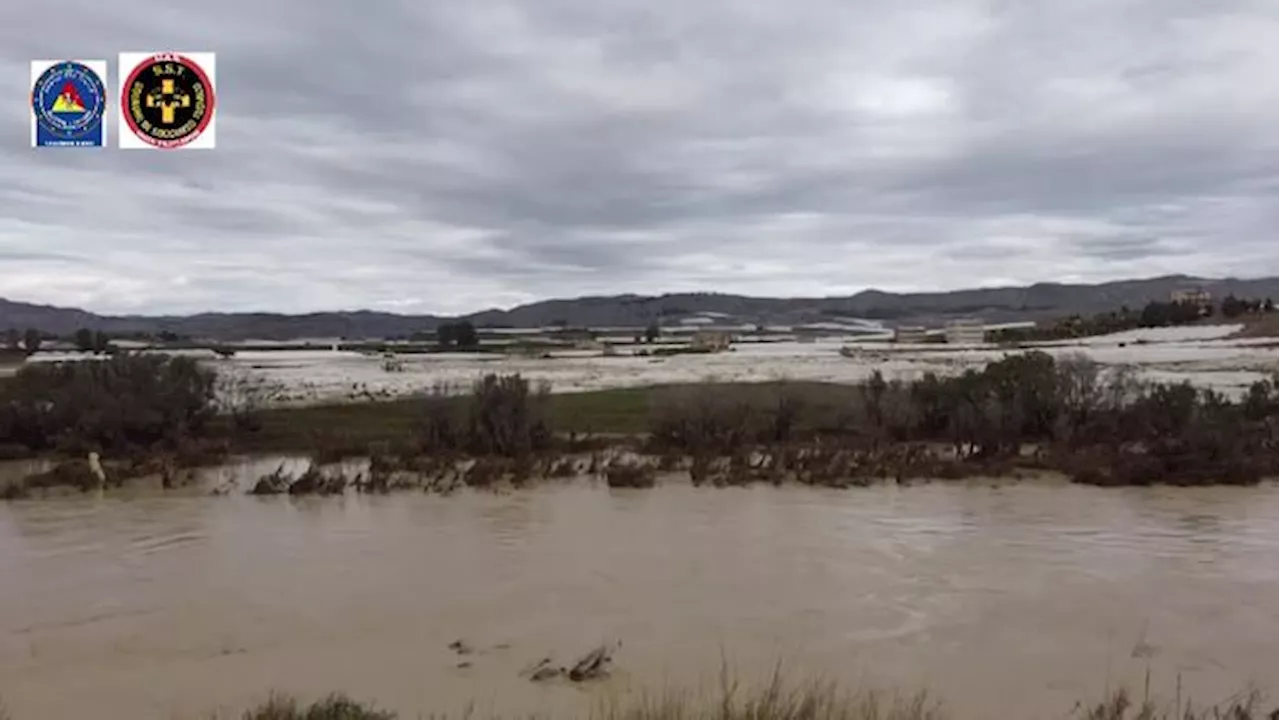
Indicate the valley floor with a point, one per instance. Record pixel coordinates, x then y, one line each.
1207 356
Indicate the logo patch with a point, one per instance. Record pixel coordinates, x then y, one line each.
167 100
68 103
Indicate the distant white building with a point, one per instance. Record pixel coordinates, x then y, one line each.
966 331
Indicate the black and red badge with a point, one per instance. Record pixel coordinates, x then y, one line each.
167 101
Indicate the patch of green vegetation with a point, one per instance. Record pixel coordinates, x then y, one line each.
302 429
622 411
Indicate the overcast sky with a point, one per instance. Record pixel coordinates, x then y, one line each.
451 156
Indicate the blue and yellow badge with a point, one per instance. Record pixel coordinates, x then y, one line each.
68 103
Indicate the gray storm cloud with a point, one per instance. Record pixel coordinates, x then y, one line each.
447 157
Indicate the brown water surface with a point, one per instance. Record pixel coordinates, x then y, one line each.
1005 600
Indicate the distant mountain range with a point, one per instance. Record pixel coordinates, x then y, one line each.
994 305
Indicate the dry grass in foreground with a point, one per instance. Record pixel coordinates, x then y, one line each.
1119 706
776 702
334 707
779 701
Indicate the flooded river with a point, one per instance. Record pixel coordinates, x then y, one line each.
1005 601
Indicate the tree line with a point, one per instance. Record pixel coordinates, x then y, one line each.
1233 307
1153 315
31 340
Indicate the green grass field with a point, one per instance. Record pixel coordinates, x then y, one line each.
603 412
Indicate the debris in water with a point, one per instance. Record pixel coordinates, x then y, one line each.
275 483
542 670
546 673
592 666
595 663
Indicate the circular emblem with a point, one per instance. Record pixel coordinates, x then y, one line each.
167 100
69 100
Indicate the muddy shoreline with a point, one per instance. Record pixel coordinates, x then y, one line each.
616 463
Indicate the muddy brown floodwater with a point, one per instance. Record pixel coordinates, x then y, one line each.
1004 600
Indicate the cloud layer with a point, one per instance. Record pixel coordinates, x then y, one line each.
447 157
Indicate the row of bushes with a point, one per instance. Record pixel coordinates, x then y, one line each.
1155 314
128 405
1102 426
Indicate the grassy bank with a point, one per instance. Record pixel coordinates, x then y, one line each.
617 412
152 414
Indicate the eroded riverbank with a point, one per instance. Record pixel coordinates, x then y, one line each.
1005 599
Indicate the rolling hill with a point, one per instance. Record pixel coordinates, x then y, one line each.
1003 304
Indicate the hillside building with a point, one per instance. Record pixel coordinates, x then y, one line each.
1195 296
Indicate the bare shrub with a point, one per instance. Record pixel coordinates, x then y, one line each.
702 421
441 427
1079 394
242 397
506 419
784 416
